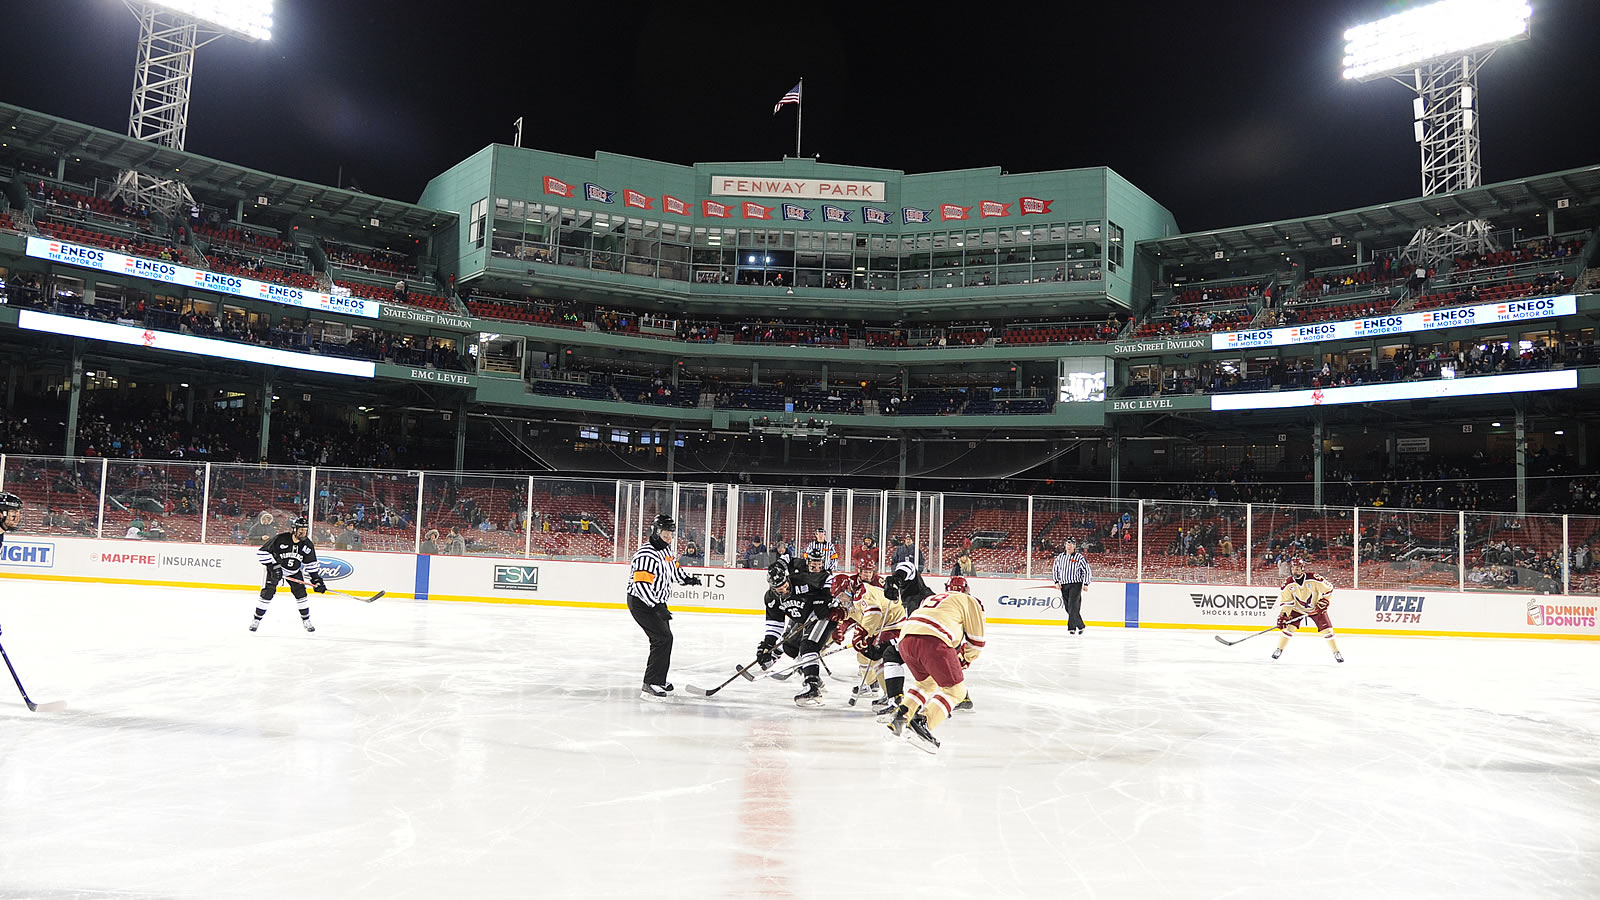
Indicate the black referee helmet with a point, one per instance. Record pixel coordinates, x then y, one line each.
662 523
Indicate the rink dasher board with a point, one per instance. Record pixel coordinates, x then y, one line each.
602 585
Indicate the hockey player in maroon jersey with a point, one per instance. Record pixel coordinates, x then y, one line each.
1305 595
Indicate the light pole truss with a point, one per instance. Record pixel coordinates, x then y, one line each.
162 74
1445 126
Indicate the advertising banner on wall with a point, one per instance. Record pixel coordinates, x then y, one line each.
1523 310
172 273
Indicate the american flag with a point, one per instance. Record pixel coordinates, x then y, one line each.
792 97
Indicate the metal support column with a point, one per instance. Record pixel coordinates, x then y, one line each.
1316 459
900 485
75 397
264 437
1520 446
672 451
312 502
461 435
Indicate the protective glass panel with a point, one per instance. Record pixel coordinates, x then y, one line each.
911 521
1194 543
1321 536
59 496
1508 552
782 522
366 509
466 515
985 534
153 501
692 509
863 539
575 519
250 504
754 519
1408 549
1583 539
1107 531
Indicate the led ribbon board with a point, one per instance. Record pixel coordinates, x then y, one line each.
172 273
1404 390
29 320
1402 323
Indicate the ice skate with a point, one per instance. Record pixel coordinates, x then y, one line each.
254 624
897 720
1277 653
1337 656
655 692
922 736
308 625
812 695
965 705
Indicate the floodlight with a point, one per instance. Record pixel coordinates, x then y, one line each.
1438 30
248 19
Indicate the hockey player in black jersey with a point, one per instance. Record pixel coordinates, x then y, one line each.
290 557
905 584
798 605
10 513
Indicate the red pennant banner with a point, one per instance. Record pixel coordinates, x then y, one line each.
756 211
711 209
675 206
634 198
991 208
948 211
1032 205
557 186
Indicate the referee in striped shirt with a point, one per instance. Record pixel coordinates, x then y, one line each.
1073 574
655 571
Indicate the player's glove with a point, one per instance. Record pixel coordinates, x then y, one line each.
663 612
767 652
274 573
690 578
318 585
870 648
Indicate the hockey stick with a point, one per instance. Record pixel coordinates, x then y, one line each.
738 672
1247 637
335 591
52 706
875 666
784 674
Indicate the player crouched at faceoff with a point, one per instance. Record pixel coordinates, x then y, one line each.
1305 595
864 618
290 557
798 608
938 641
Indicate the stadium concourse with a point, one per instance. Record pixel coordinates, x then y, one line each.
415 750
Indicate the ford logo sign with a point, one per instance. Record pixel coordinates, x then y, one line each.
334 568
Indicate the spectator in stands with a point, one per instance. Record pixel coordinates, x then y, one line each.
454 543
963 565
262 530
430 543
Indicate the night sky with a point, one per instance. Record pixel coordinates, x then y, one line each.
1227 113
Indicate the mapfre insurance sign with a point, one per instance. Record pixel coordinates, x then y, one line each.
808 188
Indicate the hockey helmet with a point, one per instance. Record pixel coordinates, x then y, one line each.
843 585
299 522
663 522
1297 562
957 584
777 574
9 501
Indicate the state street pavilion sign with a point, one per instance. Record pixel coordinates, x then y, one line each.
803 188
1155 345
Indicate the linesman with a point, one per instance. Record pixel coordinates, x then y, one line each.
655 571
1072 573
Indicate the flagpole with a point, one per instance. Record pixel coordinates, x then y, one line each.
799 111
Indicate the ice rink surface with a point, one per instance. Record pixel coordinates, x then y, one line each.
428 750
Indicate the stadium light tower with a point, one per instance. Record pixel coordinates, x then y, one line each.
1436 51
170 31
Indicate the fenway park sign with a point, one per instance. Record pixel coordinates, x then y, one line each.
809 188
